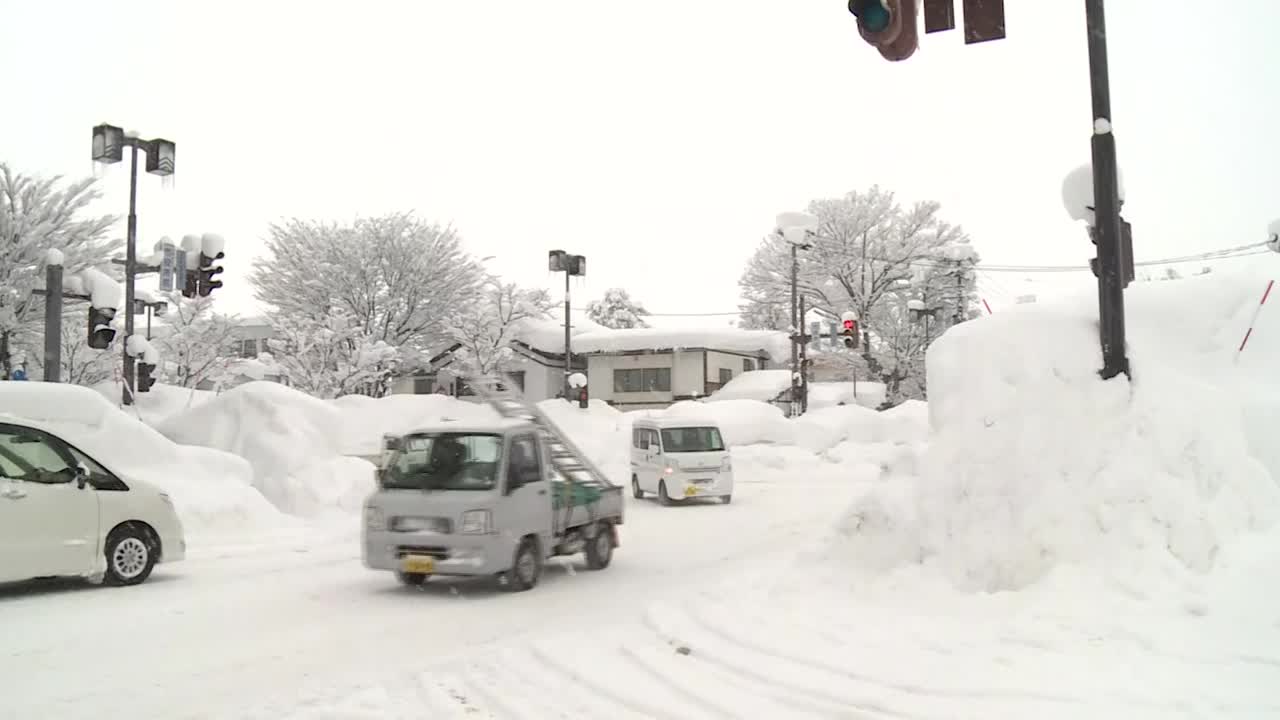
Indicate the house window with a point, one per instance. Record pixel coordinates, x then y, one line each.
247 348
422 384
642 380
748 365
518 379
725 375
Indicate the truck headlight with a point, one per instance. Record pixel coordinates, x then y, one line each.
476 522
374 519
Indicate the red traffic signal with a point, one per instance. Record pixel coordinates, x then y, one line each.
850 333
849 324
582 398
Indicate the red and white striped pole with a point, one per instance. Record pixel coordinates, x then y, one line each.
1256 311
987 306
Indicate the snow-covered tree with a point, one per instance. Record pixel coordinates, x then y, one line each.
617 310
485 328
196 344
332 356
37 215
871 256
396 278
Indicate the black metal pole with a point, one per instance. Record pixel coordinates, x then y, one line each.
1106 201
148 322
804 357
568 350
130 262
53 323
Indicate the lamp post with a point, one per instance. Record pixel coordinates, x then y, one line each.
797 228
109 143
570 265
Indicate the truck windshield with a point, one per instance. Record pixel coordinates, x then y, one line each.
445 461
692 439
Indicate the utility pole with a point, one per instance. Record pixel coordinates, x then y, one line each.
1106 201
53 319
109 142
804 362
796 329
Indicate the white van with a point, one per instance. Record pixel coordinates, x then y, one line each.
679 458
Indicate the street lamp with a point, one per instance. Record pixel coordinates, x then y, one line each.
797 228
570 265
109 143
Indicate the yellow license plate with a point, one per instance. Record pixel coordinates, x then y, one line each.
690 491
424 564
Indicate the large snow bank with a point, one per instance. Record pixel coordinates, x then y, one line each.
775 344
292 440
160 402
767 385
547 334
211 490
1035 462
364 420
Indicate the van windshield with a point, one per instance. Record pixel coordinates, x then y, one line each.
444 461
692 439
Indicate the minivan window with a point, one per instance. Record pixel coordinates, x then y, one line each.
692 439
445 461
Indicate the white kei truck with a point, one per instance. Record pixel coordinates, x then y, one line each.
492 499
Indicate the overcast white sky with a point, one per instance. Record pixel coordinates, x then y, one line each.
659 138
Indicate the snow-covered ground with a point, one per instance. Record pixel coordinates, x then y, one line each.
1034 543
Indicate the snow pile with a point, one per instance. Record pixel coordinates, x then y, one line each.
291 440
774 344
599 430
768 385
154 406
364 420
103 291
211 490
547 334
741 422
1036 463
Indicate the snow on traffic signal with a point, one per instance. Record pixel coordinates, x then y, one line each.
849 330
100 331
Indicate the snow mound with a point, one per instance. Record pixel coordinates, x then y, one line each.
364 420
771 342
741 422
211 490
599 430
1035 462
160 402
291 440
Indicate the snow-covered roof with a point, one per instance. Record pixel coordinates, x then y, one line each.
774 344
547 335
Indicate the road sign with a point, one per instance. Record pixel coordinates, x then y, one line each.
179 267
168 257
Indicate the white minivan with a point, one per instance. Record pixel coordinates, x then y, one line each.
679 459
62 513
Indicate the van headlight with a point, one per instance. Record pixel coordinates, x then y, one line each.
476 522
374 519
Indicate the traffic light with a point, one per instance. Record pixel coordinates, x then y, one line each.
206 272
889 25
145 381
849 331
100 331
582 397
191 283
1127 271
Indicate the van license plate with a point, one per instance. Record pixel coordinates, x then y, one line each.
424 564
690 491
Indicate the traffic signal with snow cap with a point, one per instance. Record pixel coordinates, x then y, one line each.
887 25
100 331
206 281
849 329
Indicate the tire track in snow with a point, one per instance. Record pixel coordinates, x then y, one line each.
644 708
714 650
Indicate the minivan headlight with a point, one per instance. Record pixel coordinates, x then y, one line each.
476 522
374 519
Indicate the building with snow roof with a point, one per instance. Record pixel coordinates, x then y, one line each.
654 367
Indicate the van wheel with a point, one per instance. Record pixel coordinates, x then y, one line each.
636 492
600 548
526 567
411 579
663 497
131 555
726 499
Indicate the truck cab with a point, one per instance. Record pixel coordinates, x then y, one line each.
481 500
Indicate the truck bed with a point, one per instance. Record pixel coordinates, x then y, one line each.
577 504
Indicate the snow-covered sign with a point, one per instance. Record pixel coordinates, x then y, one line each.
168 257
1077 193
577 380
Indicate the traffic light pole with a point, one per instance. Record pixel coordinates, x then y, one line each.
53 323
568 342
1106 201
795 329
130 268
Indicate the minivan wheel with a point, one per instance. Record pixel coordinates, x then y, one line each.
663 497
411 579
636 492
131 556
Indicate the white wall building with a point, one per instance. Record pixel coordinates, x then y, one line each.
655 367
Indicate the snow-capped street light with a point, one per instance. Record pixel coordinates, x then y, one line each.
571 266
798 229
108 146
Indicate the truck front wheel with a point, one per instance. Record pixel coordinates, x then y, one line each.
600 548
526 567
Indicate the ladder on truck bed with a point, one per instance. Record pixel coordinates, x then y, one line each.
569 462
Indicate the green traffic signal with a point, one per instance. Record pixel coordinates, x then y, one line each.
872 15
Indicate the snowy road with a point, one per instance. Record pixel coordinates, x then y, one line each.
263 630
